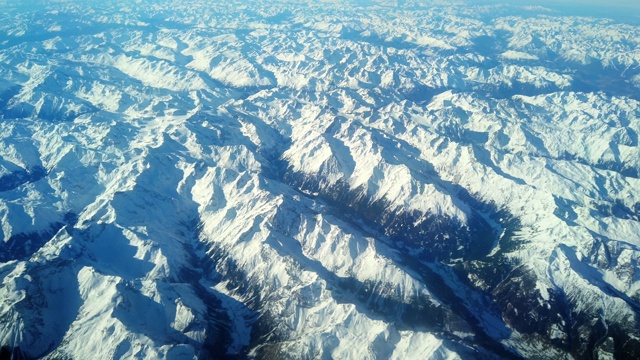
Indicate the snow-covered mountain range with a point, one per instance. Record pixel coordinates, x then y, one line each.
346 180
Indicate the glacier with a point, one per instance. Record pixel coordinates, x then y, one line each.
331 180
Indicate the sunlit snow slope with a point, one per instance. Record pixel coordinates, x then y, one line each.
346 180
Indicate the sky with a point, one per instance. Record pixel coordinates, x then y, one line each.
624 10
607 3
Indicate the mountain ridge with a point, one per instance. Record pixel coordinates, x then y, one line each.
330 181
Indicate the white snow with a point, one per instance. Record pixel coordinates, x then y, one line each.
147 202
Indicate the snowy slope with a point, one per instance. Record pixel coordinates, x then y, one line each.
318 180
